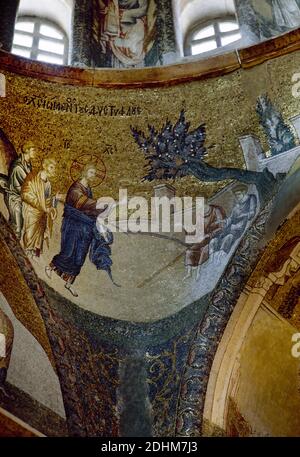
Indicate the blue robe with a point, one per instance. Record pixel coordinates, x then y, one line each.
79 236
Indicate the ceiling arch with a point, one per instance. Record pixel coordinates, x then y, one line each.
189 12
59 11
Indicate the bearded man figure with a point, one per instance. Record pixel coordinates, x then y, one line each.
79 234
39 209
18 170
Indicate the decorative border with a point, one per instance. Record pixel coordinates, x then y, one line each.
90 406
155 76
89 373
211 328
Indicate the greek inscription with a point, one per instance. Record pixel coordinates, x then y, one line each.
73 106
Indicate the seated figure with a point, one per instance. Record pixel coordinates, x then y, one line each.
198 253
234 226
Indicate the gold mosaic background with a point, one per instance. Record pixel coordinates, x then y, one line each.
225 104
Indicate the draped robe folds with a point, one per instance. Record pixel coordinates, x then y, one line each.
286 12
243 212
198 253
79 236
18 171
38 212
125 25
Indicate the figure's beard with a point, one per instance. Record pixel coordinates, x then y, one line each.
49 174
90 181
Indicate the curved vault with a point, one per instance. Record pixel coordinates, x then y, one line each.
110 351
139 363
253 364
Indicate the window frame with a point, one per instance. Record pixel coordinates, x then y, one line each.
37 35
217 36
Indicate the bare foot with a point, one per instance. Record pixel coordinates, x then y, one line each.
187 276
48 271
71 290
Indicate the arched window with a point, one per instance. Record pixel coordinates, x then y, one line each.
40 39
217 33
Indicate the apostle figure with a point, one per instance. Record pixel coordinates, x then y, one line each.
18 171
38 208
79 234
234 226
198 253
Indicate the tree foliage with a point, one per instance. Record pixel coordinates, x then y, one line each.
169 152
176 151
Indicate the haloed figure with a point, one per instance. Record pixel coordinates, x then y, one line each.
79 234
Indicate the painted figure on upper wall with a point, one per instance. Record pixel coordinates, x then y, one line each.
79 234
127 30
177 151
39 208
286 13
263 19
14 168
